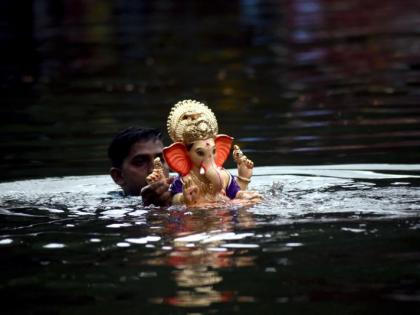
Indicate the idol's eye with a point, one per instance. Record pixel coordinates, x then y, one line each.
214 150
200 152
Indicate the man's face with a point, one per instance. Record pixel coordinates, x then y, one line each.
138 164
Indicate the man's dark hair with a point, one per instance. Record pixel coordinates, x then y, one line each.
120 146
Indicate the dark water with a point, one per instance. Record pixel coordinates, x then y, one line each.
333 85
295 82
333 239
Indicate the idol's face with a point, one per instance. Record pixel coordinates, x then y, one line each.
202 151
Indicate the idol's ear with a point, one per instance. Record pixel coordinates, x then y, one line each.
223 145
176 155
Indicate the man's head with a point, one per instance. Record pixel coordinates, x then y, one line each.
132 152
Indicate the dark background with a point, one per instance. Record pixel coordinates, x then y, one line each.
295 82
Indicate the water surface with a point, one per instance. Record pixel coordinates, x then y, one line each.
325 239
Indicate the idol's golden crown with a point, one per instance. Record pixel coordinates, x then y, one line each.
190 121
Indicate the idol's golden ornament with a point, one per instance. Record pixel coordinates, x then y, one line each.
198 154
190 121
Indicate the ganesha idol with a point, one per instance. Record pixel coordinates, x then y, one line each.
198 154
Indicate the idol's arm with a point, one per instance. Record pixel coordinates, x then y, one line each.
245 168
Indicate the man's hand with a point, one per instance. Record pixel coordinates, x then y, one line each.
157 193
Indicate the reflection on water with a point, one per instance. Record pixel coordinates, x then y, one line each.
199 255
313 81
343 235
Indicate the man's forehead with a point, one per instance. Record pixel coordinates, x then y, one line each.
146 147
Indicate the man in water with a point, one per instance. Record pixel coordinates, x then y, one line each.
132 152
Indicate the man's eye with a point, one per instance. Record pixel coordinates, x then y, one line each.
139 162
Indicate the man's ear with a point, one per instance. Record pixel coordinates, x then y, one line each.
117 176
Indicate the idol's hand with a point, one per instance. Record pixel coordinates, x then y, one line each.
249 195
158 172
190 191
245 165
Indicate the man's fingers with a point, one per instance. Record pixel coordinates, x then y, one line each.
155 185
148 195
166 198
145 190
161 188
170 180
157 194
157 188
